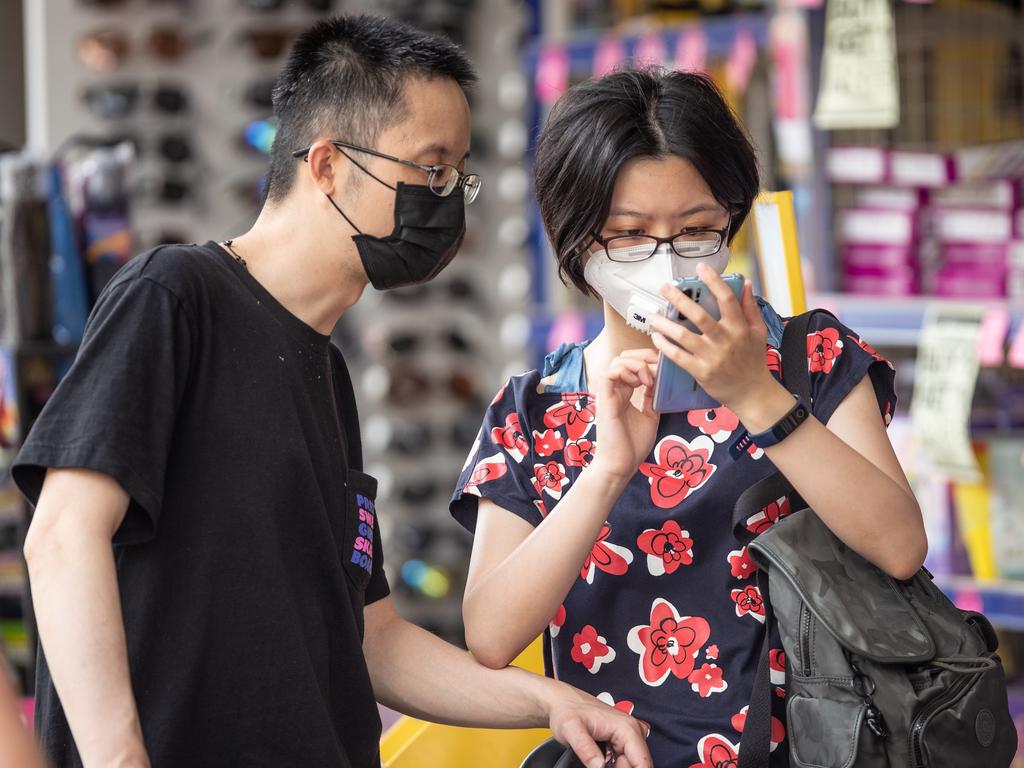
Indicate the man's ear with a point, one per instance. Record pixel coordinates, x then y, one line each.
326 167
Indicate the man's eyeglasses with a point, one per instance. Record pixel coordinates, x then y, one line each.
688 244
442 179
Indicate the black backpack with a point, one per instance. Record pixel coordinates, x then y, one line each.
880 673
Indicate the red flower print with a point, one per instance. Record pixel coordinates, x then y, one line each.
755 452
669 644
741 565
748 601
778 729
575 412
590 649
610 558
557 622
484 472
777 666
511 437
666 549
717 423
549 477
707 680
823 349
773 359
769 516
541 507
716 751
547 443
711 652
579 453
681 467
867 348
622 706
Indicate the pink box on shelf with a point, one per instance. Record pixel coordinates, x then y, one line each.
857 165
1018 225
921 169
892 198
872 226
970 225
885 256
997 194
880 281
982 256
967 282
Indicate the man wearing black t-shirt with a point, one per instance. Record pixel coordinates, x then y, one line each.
208 429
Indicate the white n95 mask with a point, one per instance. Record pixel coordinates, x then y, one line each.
632 287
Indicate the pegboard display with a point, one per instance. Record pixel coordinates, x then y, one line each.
189 84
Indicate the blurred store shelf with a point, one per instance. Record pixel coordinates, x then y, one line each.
896 322
1001 601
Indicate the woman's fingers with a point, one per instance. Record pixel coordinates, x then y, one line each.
689 309
677 354
728 307
679 333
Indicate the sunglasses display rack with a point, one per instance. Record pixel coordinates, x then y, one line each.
183 87
427 360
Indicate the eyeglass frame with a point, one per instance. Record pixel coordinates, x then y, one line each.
723 236
430 170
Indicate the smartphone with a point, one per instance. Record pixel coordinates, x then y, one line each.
674 389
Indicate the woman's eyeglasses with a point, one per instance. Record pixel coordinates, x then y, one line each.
442 179
688 244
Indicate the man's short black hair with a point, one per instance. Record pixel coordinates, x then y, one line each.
344 77
599 125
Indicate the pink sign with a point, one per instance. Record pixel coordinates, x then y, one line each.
552 74
1016 354
742 60
995 325
650 50
692 50
609 54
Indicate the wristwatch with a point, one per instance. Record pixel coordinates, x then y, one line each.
775 434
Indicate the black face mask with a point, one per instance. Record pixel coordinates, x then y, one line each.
427 235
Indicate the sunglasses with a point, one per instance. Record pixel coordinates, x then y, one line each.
266 44
105 50
409 387
457 289
416 438
117 101
270 6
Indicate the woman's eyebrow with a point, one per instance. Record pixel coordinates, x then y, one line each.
702 208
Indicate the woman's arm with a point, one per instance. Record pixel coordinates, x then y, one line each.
518 575
847 472
522 574
849 475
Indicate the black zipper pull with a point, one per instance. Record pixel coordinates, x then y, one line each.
875 721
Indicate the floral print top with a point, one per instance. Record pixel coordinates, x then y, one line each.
665 621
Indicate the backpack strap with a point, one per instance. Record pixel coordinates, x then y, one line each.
755 744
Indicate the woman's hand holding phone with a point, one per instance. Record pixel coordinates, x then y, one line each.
626 421
727 357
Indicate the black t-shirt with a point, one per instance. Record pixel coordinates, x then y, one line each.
250 545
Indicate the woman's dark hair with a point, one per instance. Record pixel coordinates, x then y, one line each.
345 76
599 125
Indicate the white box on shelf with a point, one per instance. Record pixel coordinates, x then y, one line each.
857 165
920 169
891 198
970 225
872 226
999 194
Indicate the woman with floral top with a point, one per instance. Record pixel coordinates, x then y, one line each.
607 526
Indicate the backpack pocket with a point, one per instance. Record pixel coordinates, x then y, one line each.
824 725
967 723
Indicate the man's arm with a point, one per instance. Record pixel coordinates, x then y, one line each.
78 611
416 673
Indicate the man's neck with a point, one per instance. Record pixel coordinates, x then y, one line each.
290 261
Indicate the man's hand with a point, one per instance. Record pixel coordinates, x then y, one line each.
579 721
